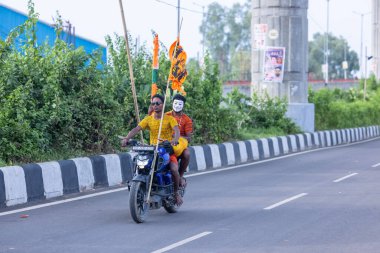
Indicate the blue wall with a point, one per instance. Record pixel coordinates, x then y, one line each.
9 19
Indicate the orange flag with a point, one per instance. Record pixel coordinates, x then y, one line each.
178 72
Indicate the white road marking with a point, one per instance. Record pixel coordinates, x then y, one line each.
177 244
285 201
343 178
375 165
61 201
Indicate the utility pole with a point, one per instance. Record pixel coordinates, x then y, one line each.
178 16
361 39
365 76
345 65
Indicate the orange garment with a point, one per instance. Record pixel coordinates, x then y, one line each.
173 159
185 123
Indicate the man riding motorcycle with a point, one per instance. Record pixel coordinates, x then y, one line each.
169 125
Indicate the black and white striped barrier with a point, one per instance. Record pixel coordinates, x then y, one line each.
213 156
25 183
38 181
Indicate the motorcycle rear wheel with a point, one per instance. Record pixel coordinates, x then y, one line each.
137 205
170 205
170 208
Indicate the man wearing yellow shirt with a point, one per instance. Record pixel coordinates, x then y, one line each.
169 125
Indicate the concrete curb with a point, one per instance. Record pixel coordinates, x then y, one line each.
29 182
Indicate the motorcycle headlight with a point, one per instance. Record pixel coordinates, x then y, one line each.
142 163
142 157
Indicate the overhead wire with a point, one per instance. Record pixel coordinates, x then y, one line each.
182 8
315 22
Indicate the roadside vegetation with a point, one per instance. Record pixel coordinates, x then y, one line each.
338 108
58 102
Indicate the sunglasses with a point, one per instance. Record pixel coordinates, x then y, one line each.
156 103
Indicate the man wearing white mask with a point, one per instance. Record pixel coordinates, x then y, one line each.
185 125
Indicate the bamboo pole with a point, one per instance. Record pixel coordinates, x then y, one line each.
130 68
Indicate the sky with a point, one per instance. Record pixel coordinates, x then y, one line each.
94 19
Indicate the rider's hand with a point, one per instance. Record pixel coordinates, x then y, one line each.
174 142
124 142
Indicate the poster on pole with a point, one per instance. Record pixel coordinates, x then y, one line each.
259 36
274 59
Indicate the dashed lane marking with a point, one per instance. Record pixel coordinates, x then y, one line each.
177 244
343 178
285 201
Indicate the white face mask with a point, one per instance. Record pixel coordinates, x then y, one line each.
178 105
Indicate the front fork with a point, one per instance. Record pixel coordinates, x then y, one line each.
142 178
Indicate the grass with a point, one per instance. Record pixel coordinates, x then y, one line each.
2 163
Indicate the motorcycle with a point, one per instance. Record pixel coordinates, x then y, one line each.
147 193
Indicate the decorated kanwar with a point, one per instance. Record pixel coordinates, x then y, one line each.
158 170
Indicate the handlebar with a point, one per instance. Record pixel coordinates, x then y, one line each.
134 142
131 142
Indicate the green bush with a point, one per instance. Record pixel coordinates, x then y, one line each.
345 108
372 83
53 98
260 112
212 123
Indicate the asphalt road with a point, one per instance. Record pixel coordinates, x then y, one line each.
320 201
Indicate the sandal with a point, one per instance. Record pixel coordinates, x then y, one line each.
183 182
178 199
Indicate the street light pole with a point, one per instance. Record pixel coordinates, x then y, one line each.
345 62
365 75
327 46
361 39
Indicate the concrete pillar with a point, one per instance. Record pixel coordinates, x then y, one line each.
376 37
289 19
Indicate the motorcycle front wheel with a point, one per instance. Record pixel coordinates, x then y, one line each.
137 205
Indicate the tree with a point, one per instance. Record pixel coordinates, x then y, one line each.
227 34
337 48
212 122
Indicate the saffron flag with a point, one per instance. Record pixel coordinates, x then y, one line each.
178 72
